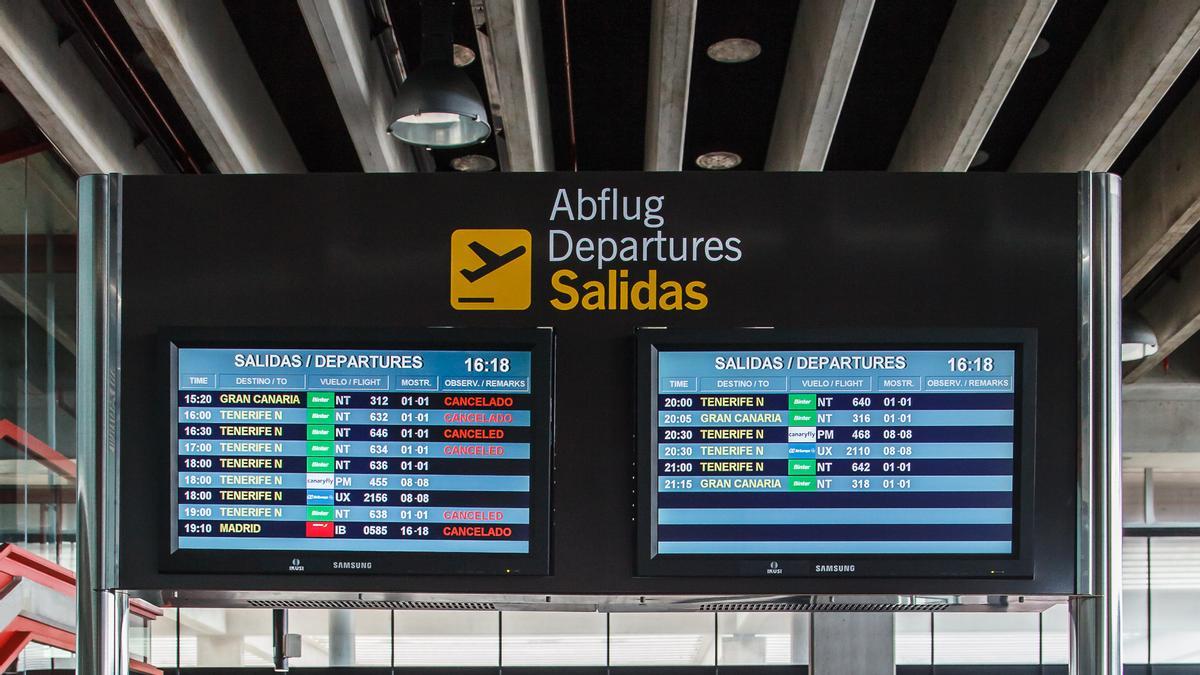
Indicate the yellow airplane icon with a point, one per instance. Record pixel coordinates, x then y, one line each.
490 269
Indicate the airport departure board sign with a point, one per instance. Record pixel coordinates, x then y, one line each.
337 459
835 459
891 263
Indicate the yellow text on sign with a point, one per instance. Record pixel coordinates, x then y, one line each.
490 269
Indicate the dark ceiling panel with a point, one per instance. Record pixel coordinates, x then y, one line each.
113 54
1065 30
609 44
901 40
282 51
731 106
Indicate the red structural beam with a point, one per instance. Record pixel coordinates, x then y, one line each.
17 562
44 454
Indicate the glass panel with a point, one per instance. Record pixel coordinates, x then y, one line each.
139 637
37 363
224 637
1177 496
1133 496
1056 635
996 639
763 638
1135 643
447 638
164 639
555 639
1174 599
914 638
341 637
662 639
43 659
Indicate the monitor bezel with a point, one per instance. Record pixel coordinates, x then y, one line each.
539 342
1018 565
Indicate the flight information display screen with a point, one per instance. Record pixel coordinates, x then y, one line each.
326 450
835 453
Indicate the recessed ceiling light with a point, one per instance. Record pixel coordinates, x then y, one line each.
1040 46
734 50
719 160
473 163
463 55
980 159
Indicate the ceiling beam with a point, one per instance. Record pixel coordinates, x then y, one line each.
1161 418
1161 193
1126 64
62 96
1173 312
982 50
672 34
824 49
341 32
510 48
197 50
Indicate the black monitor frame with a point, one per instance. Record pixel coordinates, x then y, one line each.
1018 565
539 342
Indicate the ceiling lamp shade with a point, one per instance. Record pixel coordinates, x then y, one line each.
1137 338
438 106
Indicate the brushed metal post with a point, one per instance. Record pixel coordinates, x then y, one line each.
101 629
1096 608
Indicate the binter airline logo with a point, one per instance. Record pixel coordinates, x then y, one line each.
490 269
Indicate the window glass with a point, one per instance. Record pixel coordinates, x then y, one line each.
662 639
224 637
1056 635
555 639
1135 639
763 638
1174 600
914 638
340 637
985 638
164 639
447 638
1133 496
37 357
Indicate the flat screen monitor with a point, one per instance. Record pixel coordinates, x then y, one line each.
766 453
417 453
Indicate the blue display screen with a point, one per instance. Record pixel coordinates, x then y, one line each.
422 451
905 452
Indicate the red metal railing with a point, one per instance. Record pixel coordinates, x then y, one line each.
38 450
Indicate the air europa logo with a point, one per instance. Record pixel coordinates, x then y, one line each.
594 270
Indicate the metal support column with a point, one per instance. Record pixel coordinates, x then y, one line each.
1096 609
102 645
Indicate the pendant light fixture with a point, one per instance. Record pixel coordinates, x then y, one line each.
438 106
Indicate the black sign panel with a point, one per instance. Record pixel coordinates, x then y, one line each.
597 256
